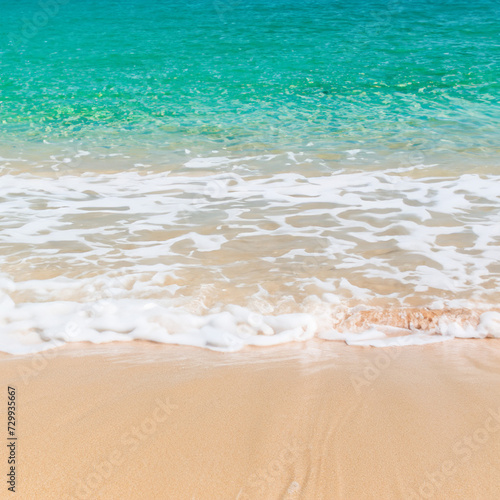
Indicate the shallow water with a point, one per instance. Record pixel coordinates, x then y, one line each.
231 173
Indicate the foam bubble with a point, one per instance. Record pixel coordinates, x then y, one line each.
232 251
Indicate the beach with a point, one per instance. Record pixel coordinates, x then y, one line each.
250 250
302 420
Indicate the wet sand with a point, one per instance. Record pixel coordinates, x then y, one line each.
317 420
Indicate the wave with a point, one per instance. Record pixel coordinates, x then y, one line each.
33 327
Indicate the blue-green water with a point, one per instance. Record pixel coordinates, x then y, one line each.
413 76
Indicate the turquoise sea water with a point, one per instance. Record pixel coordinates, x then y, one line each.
413 77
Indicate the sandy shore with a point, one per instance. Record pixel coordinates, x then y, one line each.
319 420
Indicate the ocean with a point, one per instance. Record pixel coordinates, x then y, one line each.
226 173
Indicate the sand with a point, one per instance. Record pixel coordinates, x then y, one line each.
319 420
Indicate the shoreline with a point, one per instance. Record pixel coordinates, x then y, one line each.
237 327
317 419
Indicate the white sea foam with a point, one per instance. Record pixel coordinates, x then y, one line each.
229 255
31 327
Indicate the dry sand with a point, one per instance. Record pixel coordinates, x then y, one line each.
319 420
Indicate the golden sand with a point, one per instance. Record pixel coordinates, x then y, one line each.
319 420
